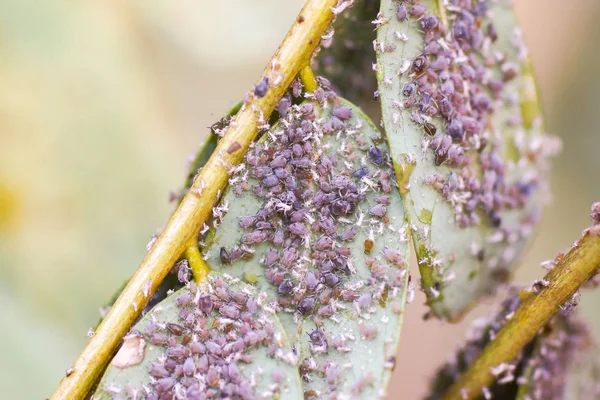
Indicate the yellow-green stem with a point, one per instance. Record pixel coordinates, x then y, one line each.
572 271
198 266
195 208
308 79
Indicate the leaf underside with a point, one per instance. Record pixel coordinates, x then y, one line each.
357 260
463 123
184 348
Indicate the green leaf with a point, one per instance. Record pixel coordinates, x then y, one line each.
469 231
192 347
361 342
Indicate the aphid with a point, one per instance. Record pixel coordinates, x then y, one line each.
262 87
417 10
205 304
431 48
342 112
409 89
368 245
285 287
455 130
306 305
164 385
247 221
178 352
428 23
402 13
229 311
347 235
224 256
376 155
298 229
175 329
361 172
430 128
270 181
330 279
184 299
420 64
235 146
364 301
460 31
491 32
158 371
318 340
324 242
378 210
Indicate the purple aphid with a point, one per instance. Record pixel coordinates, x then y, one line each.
262 87
409 89
311 280
229 311
205 304
348 234
428 23
455 130
330 279
184 299
364 301
158 371
342 112
402 13
306 305
247 221
164 385
420 64
378 210
323 243
417 10
376 155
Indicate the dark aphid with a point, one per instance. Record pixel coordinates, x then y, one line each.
361 172
455 130
402 14
376 155
368 246
224 256
420 64
307 305
330 279
460 31
285 287
430 128
298 229
235 146
417 10
175 329
342 112
445 107
318 339
262 87
428 23
409 89
205 304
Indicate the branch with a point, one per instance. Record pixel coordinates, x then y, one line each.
293 54
572 271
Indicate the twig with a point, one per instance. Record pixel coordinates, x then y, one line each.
198 266
308 79
293 54
572 271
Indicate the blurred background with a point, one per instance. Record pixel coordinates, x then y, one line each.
102 103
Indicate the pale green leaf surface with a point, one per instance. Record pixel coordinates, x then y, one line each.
123 383
365 364
458 265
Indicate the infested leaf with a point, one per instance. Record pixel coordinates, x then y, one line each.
313 219
554 365
234 348
465 130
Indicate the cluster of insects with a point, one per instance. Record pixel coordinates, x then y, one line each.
327 245
219 327
541 366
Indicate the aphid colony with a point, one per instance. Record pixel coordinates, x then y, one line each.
461 83
541 366
220 328
325 234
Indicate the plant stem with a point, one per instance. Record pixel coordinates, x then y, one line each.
198 266
572 271
195 208
308 79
